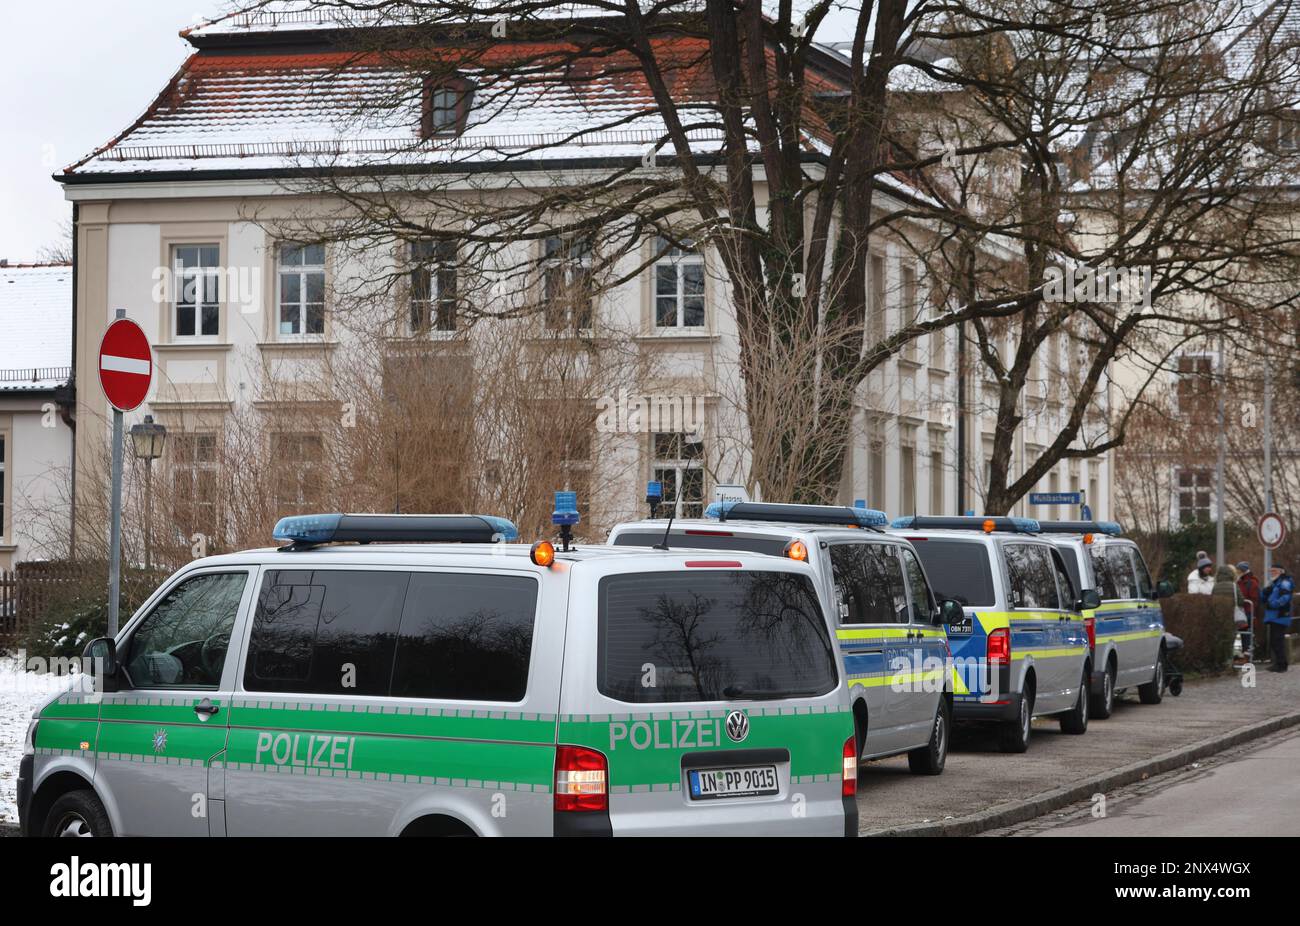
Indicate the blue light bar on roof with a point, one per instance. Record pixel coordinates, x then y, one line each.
1110 528
309 529
841 515
965 522
654 492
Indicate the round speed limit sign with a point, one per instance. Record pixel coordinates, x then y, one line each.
1272 530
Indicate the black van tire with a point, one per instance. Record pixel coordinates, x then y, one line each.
931 758
1075 722
77 813
1153 691
1104 706
1013 736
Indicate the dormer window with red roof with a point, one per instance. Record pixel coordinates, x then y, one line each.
446 106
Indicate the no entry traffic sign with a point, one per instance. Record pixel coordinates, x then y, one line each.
125 365
1271 530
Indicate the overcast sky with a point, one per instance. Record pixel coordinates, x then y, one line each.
73 74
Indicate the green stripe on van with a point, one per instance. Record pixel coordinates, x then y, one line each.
647 749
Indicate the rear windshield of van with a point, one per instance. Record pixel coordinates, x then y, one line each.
704 540
712 635
957 569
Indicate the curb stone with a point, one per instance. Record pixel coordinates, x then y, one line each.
1045 802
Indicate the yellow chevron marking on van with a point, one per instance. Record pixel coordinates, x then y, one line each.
885 633
1048 653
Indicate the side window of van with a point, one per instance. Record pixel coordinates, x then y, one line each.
869 586
1121 571
1105 579
1069 588
1145 587
326 631
182 643
918 589
465 637
1031 576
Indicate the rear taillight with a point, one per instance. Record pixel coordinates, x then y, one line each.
999 646
1090 624
581 779
849 785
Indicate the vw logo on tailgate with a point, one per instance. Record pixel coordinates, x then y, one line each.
737 726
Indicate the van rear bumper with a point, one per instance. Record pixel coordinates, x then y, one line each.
1006 709
25 767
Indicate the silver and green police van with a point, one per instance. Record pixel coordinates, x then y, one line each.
406 675
1021 646
887 620
1126 630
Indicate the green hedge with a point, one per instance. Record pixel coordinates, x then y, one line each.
1206 626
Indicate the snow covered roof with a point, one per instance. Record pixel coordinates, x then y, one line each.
304 103
35 326
287 16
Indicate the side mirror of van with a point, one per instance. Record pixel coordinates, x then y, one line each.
1090 600
949 612
100 658
1164 588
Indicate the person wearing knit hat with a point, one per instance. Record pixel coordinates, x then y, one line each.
1200 581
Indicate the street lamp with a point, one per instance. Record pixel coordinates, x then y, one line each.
147 441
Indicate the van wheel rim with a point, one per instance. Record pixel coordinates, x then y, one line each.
940 736
1024 718
1108 690
74 826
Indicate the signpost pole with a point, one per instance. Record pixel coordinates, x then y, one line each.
1268 456
115 527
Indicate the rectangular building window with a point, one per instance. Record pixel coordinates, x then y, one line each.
907 308
876 307
433 285
876 468
196 290
936 482
1195 386
301 275
194 472
907 478
1195 495
679 466
299 463
567 283
679 286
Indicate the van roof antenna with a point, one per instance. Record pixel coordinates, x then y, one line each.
663 544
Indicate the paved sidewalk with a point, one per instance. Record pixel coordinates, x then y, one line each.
980 778
1247 791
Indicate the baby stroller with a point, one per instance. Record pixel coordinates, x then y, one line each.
1173 675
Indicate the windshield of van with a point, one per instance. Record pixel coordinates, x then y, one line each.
703 540
957 569
712 635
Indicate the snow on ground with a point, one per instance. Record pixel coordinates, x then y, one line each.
21 693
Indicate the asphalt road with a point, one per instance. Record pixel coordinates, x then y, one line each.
1251 791
979 777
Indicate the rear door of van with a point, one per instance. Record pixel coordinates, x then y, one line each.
712 687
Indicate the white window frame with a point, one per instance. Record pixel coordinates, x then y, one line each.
181 278
572 257
678 259
302 271
431 308
665 466
192 468
312 466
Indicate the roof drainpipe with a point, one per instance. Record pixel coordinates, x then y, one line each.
68 409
